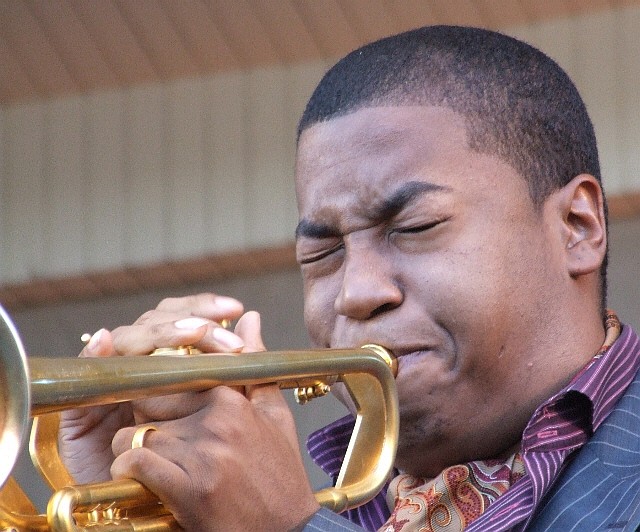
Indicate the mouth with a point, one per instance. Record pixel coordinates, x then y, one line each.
411 351
406 358
405 354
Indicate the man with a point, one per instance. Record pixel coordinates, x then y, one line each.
451 209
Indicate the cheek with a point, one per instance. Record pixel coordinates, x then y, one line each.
466 299
319 314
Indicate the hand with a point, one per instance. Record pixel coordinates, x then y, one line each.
234 464
86 433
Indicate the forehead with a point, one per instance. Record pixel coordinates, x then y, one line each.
373 131
377 148
349 166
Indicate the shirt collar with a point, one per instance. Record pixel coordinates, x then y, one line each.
587 400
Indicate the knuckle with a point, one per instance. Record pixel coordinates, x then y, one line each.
138 461
121 440
168 303
144 318
208 298
229 415
186 303
156 329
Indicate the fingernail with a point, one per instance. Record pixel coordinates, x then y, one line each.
227 338
191 323
227 303
95 340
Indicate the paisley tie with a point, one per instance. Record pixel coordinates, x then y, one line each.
452 500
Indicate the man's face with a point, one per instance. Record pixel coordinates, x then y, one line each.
410 240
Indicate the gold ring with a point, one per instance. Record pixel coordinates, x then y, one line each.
138 436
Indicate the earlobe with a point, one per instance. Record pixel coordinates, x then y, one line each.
585 225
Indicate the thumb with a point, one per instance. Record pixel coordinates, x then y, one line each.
249 329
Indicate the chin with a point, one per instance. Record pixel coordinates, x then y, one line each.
421 453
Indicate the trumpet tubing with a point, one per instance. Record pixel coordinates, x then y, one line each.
44 386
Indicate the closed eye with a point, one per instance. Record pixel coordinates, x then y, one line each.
418 228
320 255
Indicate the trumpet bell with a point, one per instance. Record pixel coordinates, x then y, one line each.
14 396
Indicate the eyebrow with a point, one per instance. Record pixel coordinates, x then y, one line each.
390 207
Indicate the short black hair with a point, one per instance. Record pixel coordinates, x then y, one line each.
518 103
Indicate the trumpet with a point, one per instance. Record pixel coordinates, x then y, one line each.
42 387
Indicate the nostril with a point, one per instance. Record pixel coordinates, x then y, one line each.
382 309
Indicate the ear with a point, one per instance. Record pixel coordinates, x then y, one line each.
584 225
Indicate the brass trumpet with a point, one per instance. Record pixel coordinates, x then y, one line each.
41 387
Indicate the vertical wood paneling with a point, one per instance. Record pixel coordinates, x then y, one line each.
23 217
270 161
185 168
628 117
146 183
105 176
225 155
64 181
202 166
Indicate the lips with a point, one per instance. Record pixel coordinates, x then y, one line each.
398 351
406 349
411 351
404 354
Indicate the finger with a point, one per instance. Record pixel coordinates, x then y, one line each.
207 336
216 339
269 400
168 478
164 408
99 345
143 339
207 305
157 473
123 440
249 329
169 330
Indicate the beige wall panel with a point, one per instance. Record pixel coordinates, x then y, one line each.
147 202
270 158
628 94
106 199
4 194
23 252
624 270
64 208
185 169
226 149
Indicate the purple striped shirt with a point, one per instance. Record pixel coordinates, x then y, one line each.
558 427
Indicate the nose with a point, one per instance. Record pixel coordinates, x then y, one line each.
369 284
